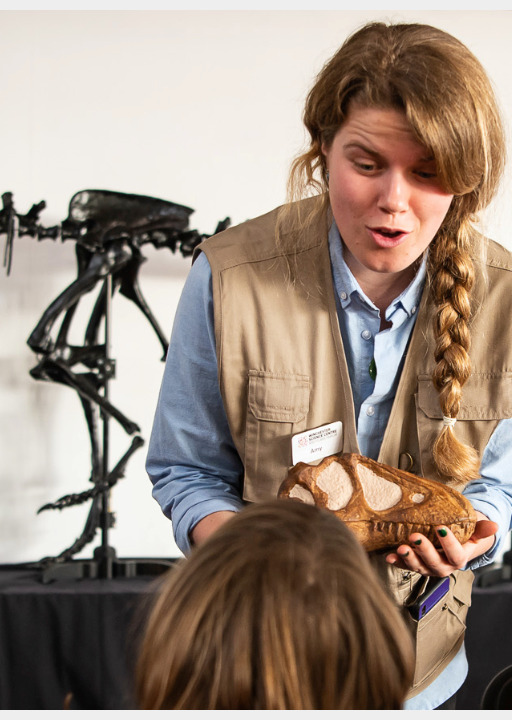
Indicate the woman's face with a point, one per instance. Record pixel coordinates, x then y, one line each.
385 195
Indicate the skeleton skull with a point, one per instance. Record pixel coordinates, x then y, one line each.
382 505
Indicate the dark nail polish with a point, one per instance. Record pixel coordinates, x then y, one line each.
417 542
442 532
404 554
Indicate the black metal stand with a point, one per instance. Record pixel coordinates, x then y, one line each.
105 563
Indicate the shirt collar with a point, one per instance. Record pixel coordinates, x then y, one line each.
346 285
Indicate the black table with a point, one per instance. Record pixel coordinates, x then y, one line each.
69 641
488 639
77 639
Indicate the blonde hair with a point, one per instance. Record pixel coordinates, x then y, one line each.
279 609
449 102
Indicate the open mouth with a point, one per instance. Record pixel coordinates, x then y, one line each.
388 233
388 237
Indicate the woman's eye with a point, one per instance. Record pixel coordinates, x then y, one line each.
426 175
365 166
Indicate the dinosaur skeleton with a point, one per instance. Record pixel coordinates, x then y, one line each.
109 229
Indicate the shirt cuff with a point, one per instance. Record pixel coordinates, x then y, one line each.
187 522
493 513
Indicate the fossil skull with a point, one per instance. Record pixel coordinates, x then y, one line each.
381 504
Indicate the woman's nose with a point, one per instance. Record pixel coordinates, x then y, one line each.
394 193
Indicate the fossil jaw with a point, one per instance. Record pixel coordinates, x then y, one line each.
381 504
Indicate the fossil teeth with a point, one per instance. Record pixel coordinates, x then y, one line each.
381 504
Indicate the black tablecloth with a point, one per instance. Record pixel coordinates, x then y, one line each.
72 639
77 639
488 640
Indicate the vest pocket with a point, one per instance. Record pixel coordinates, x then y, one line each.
439 634
486 399
485 396
278 405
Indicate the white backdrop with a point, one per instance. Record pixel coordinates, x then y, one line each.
200 108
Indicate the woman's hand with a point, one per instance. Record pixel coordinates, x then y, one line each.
421 555
208 525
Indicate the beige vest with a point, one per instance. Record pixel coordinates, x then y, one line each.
282 370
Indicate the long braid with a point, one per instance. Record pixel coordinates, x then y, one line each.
452 277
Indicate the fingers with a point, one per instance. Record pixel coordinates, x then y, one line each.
407 557
450 556
423 557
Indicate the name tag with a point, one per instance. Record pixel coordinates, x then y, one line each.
318 443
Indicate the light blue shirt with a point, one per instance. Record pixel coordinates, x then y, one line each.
195 468
359 324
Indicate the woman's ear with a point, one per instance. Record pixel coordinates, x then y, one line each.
326 151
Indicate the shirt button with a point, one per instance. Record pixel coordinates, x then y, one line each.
343 296
413 309
370 411
366 334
